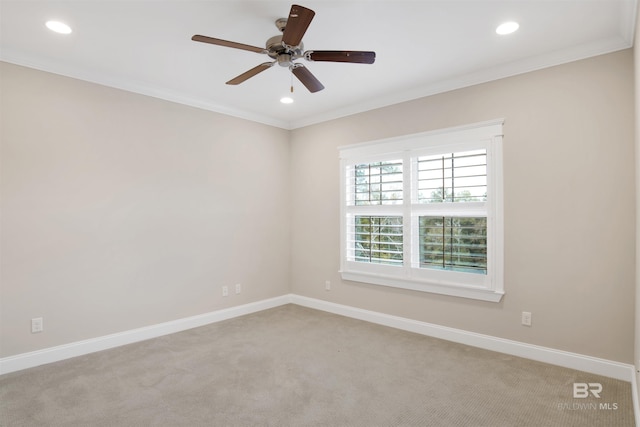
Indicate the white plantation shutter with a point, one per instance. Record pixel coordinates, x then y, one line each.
453 243
424 212
454 240
374 198
452 177
375 183
377 239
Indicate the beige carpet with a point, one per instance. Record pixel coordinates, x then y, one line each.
293 366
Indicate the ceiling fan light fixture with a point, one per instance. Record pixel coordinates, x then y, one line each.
286 100
58 27
507 28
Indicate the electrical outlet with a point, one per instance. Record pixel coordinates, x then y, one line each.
526 318
225 291
238 288
37 325
327 285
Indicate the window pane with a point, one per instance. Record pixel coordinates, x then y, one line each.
453 243
378 239
378 183
453 177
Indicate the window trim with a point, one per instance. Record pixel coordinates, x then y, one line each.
488 287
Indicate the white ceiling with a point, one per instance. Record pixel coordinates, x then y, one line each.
422 48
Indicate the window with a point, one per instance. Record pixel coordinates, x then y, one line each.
424 212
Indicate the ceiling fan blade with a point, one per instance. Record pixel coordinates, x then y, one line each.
226 43
353 56
248 74
307 79
299 19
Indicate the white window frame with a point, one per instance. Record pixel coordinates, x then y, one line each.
485 135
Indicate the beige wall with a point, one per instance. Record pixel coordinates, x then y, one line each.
569 206
121 211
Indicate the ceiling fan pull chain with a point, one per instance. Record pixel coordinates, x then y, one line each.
291 75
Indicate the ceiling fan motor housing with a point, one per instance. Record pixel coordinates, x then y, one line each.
275 47
283 55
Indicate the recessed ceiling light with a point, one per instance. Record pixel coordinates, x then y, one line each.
286 100
507 28
58 27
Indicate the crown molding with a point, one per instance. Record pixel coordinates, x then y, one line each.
500 71
497 72
140 88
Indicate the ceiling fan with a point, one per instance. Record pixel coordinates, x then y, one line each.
286 48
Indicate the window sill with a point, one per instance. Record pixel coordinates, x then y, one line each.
455 290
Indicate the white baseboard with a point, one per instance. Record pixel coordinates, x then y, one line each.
566 359
594 365
79 348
